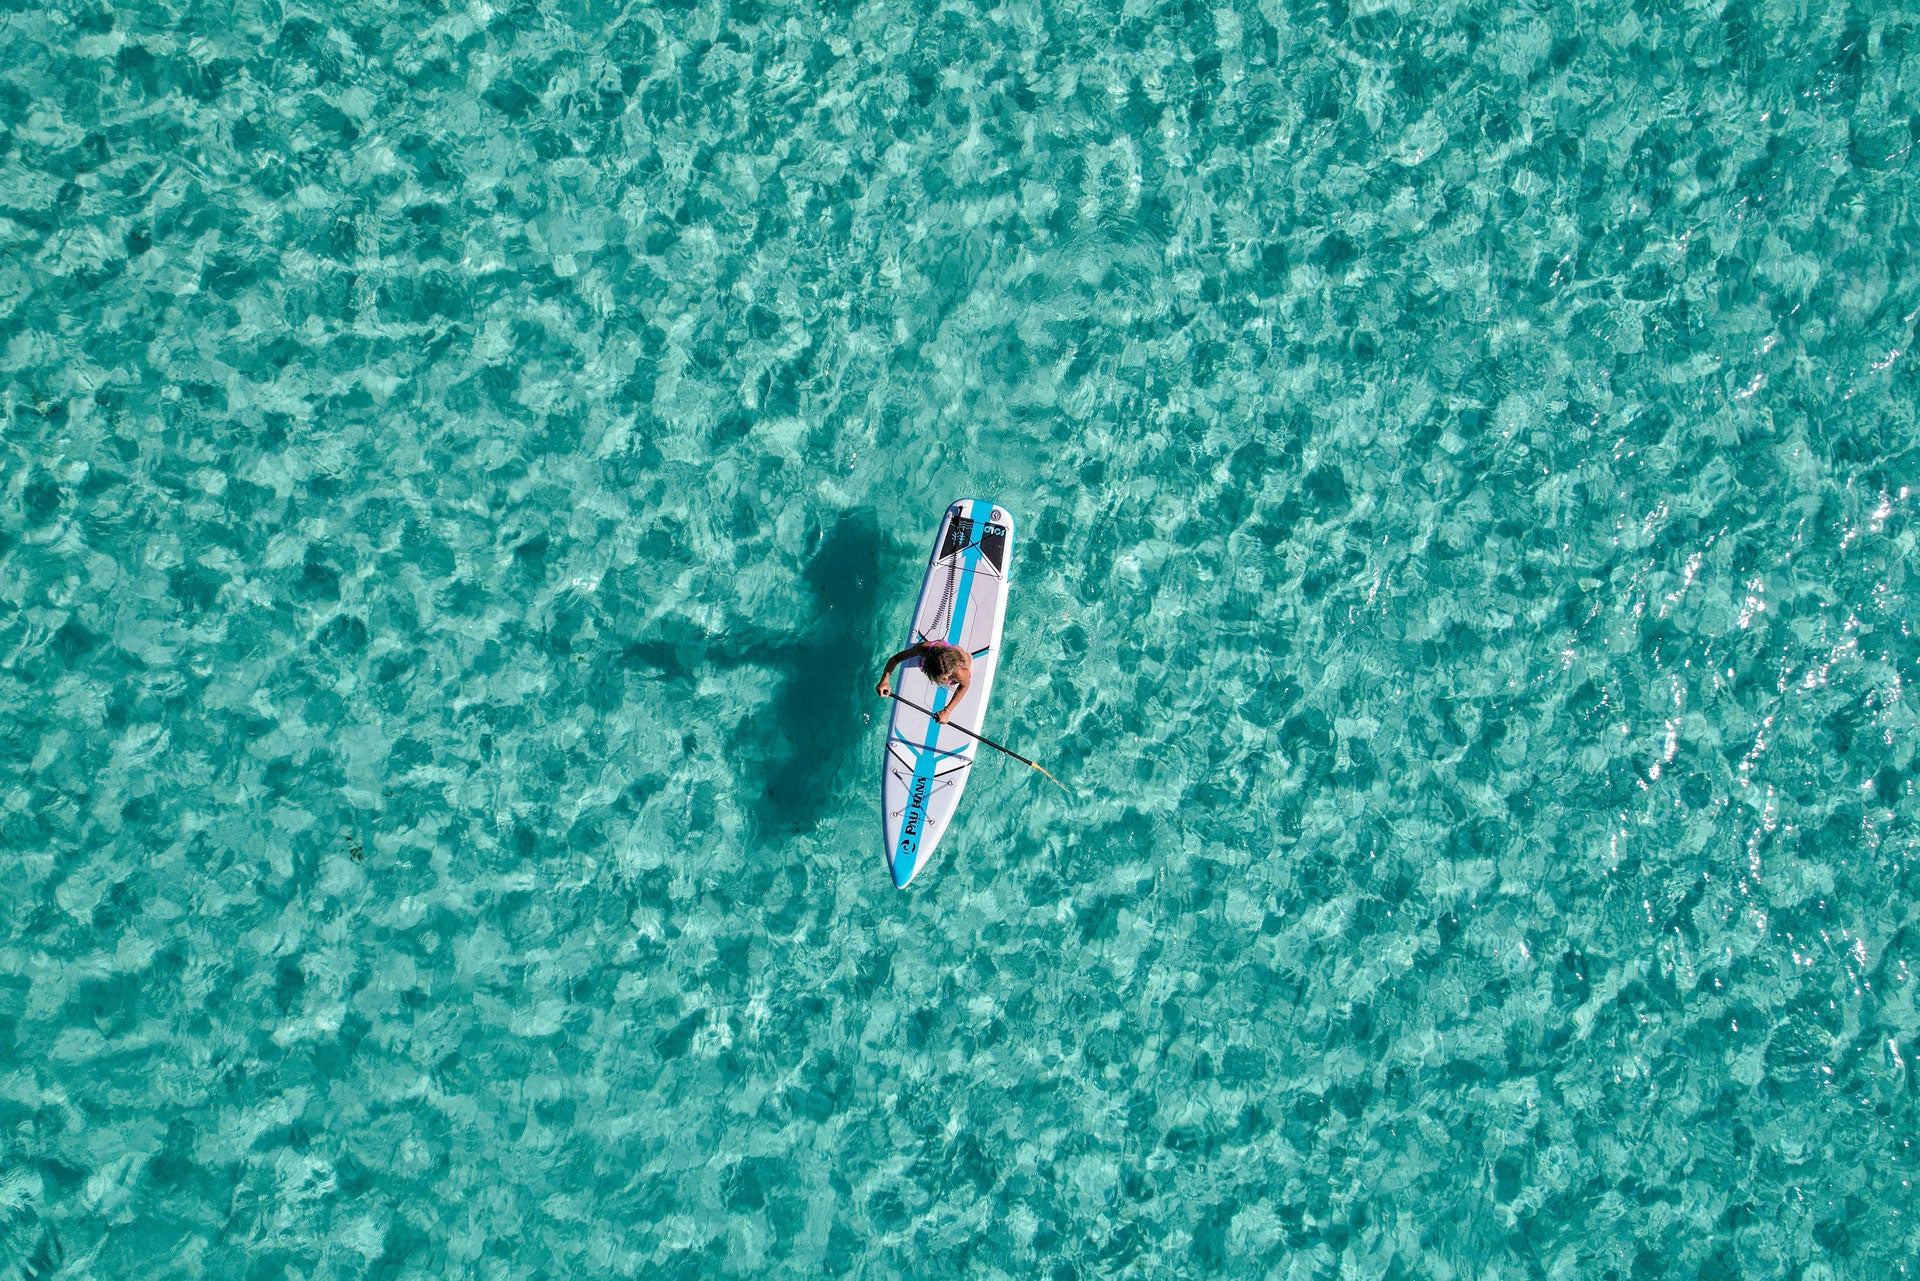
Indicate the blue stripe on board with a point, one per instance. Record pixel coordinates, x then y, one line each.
906 856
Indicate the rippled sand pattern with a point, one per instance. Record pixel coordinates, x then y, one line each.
462 469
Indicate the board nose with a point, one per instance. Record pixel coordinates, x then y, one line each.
903 871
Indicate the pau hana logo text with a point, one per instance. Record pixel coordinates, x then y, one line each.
916 814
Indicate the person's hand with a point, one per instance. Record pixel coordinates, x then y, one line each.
943 716
883 689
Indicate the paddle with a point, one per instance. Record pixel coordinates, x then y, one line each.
895 695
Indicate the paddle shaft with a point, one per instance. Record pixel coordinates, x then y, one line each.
895 696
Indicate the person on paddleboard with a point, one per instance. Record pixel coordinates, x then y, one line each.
944 664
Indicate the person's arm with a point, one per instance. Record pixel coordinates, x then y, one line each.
945 714
912 651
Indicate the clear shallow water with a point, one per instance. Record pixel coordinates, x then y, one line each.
464 467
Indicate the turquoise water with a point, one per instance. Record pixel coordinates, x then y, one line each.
464 466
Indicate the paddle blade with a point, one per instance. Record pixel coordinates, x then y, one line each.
1056 782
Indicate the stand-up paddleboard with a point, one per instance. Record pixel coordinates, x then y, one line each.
962 602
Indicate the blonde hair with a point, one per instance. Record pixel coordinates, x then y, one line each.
940 660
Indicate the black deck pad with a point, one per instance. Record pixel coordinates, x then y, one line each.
959 534
993 545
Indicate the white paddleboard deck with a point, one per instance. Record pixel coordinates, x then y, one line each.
962 602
